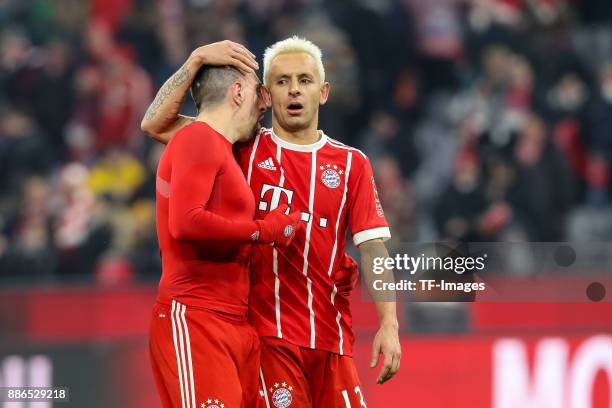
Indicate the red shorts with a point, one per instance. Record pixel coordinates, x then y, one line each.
202 359
299 377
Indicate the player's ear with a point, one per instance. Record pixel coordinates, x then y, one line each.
324 93
236 93
265 95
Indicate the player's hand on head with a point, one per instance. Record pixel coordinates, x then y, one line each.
226 53
277 227
386 342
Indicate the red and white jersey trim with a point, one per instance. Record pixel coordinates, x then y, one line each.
341 145
182 347
250 171
313 175
374 233
349 160
313 147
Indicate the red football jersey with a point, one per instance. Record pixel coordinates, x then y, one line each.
300 293
202 201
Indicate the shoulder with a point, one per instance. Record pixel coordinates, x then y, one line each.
335 144
189 133
198 134
198 143
359 160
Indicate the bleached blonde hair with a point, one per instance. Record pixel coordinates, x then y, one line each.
290 45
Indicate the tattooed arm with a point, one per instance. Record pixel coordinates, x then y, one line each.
162 119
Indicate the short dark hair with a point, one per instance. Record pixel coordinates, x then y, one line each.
210 84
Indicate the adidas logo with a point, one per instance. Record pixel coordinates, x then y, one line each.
267 164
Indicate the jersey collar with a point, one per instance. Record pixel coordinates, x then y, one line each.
299 147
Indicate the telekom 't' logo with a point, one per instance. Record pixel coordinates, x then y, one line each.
271 196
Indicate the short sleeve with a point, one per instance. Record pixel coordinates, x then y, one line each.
366 218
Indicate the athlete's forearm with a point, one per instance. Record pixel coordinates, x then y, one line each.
162 119
198 224
384 300
387 314
386 341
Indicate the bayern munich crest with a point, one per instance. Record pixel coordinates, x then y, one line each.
288 231
212 403
331 175
281 395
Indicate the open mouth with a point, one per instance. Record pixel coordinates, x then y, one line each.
295 108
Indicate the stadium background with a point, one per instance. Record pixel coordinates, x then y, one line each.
485 120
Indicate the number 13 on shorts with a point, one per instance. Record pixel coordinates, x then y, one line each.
347 401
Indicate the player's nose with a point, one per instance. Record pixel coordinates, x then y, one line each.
294 89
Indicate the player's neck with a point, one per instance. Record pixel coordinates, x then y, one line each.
306 136
221 122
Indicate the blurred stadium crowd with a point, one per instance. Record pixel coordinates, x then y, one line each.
485 120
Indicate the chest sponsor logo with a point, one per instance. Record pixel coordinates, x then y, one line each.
271 197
